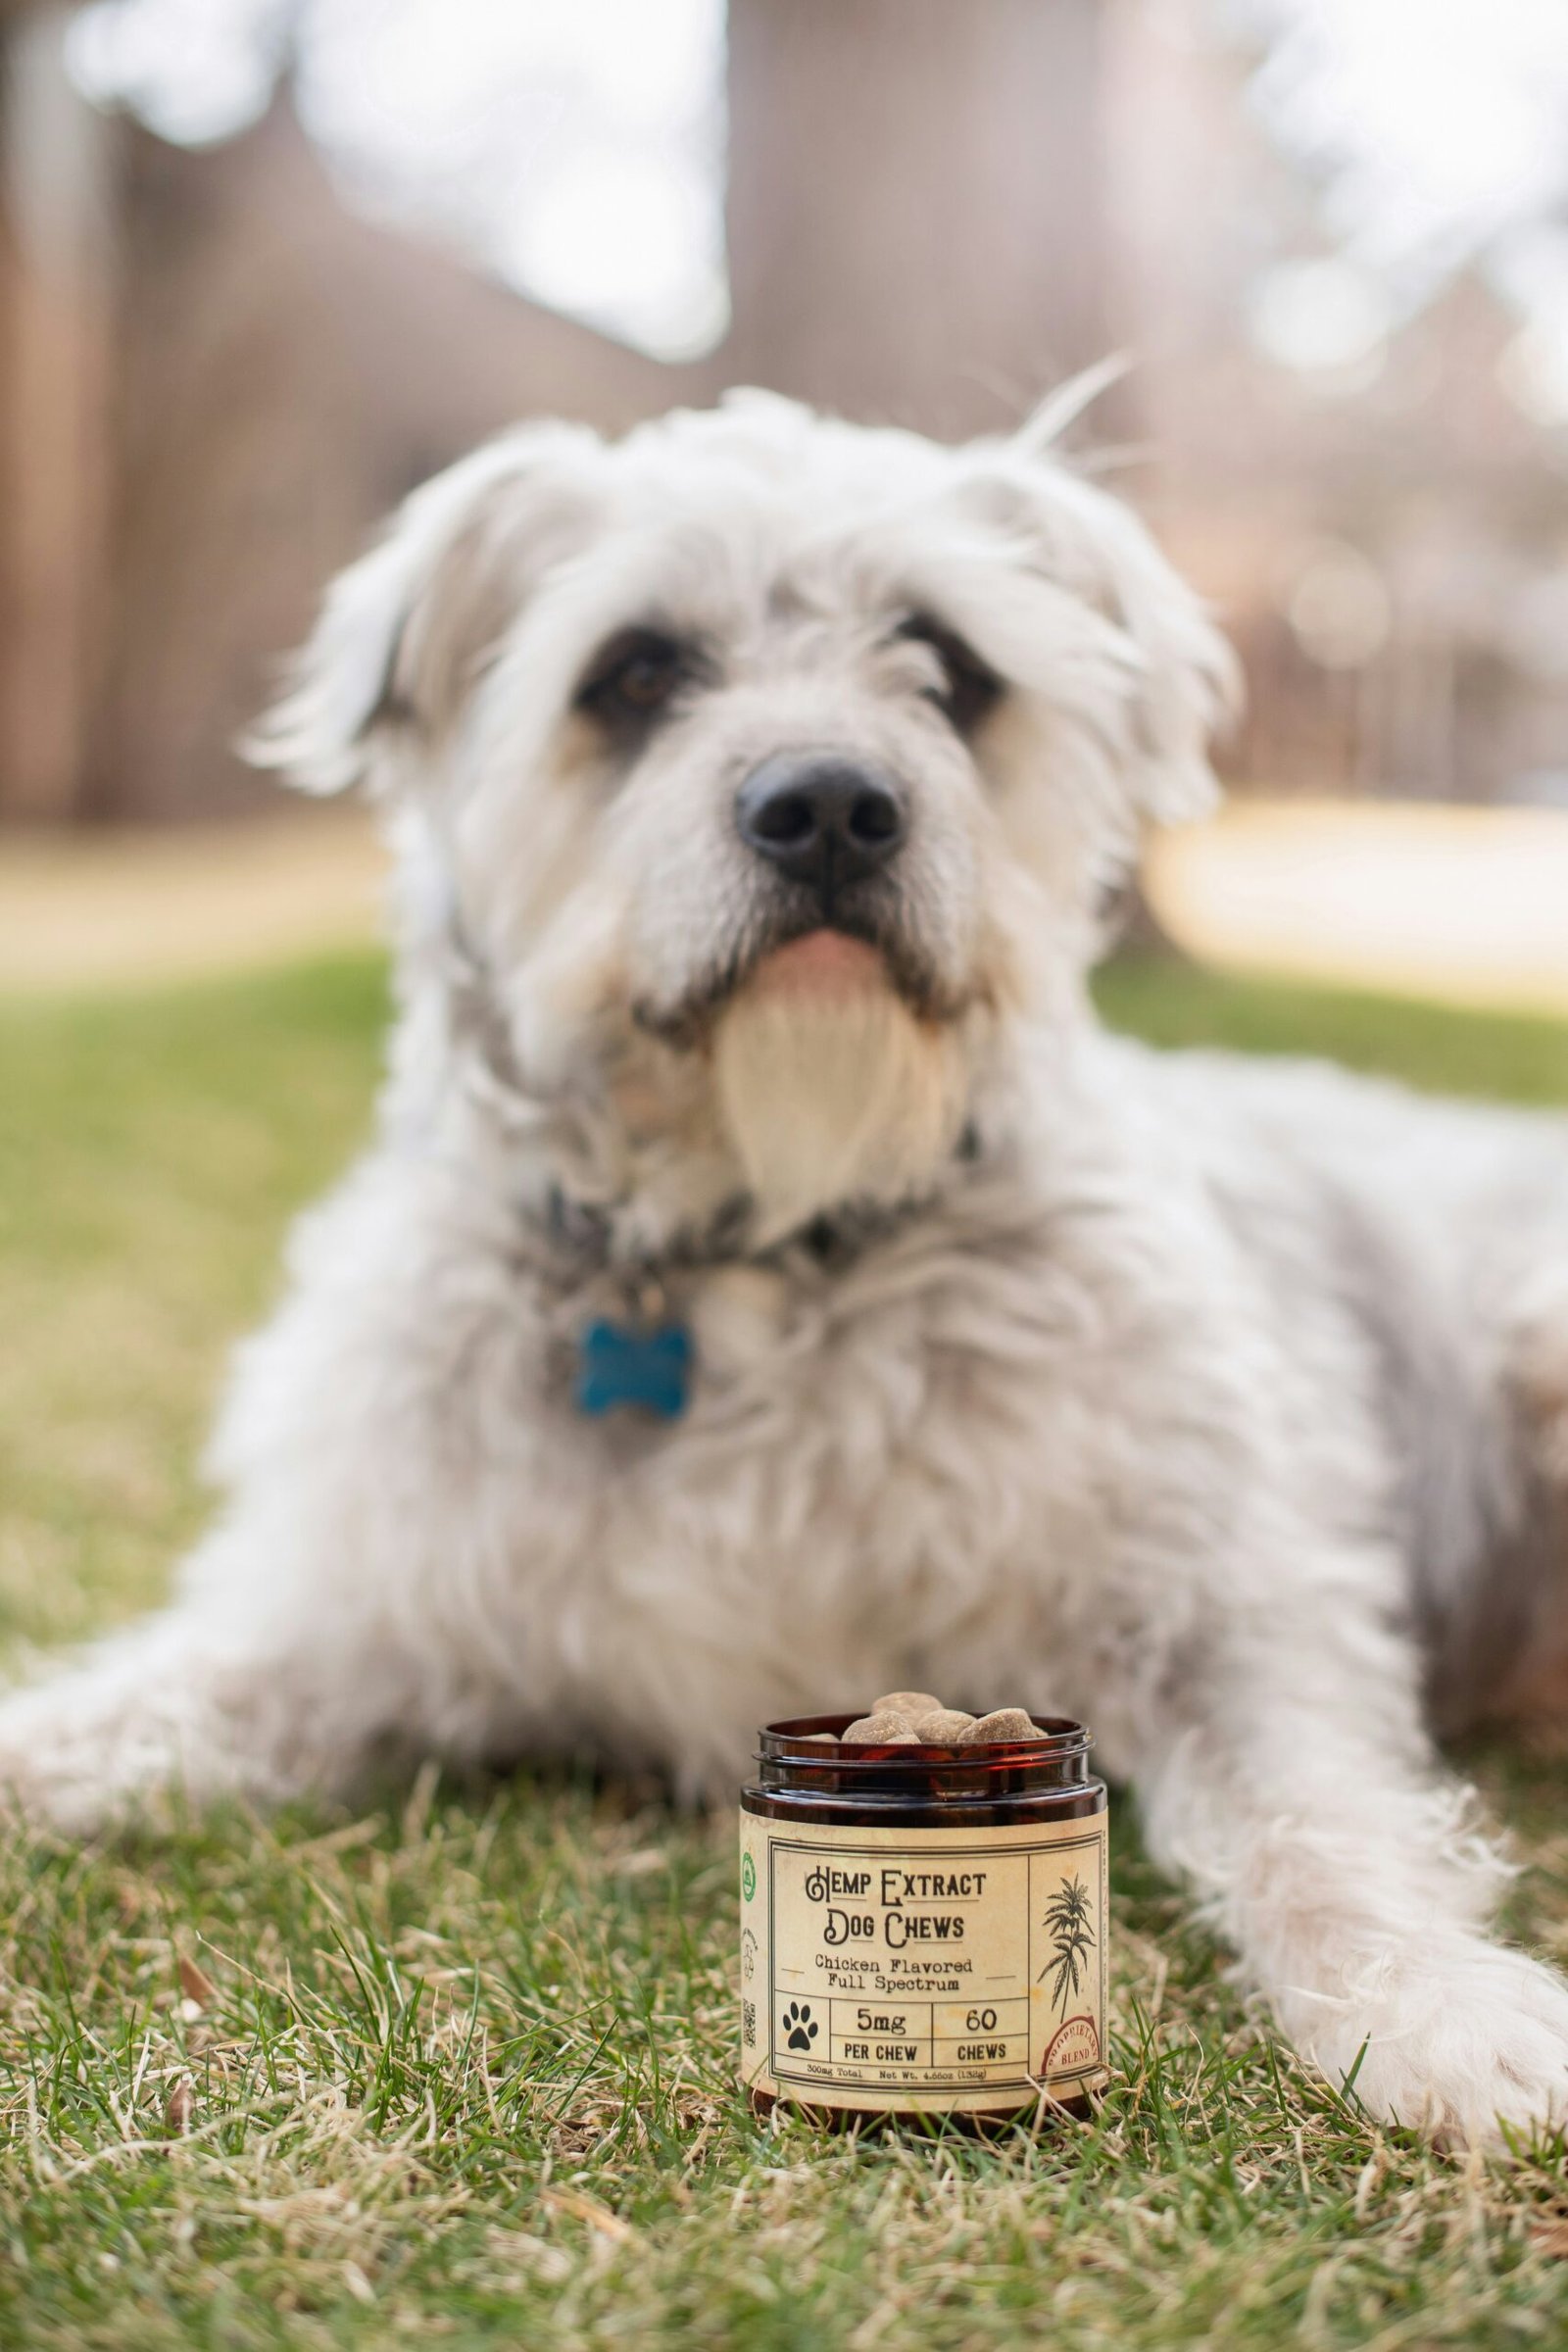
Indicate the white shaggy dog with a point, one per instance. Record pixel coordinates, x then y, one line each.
756 781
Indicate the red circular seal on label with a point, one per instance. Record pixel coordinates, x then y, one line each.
1073 2045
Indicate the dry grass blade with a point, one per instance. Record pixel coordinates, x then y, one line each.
194 1983
583 2208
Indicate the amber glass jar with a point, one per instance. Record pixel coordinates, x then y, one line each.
922 1929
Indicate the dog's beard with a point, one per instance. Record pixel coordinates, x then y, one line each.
832 1099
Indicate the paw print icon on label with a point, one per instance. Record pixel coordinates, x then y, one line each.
799 2026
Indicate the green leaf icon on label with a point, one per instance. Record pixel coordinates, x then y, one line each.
748 1876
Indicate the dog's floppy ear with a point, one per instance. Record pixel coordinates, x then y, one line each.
1185 678
404 632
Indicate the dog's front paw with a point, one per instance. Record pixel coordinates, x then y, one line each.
1472 2047
84 1747
69 1766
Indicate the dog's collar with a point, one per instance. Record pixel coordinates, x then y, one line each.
633 1347
581 1237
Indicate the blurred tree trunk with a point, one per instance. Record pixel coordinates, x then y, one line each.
916 204
54 428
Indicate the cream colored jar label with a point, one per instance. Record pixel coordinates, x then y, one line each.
922 1970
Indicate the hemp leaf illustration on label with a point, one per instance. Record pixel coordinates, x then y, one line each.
1072 1939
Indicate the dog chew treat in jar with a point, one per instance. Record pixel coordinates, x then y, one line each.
922 1929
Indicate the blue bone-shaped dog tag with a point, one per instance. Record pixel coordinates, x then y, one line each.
618 1364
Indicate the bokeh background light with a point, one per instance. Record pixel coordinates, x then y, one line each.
575 147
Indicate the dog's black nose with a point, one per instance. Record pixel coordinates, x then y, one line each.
820 819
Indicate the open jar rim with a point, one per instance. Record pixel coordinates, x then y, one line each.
790 1756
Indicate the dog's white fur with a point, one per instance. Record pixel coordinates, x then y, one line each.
1222 1406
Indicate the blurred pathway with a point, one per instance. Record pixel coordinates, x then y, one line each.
95 910
1468 906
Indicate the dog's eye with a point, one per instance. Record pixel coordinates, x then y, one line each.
969 688
634 676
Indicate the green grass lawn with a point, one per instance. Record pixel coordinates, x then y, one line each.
459 2070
